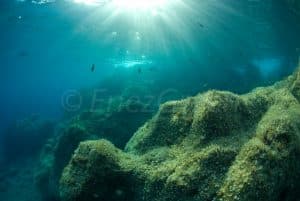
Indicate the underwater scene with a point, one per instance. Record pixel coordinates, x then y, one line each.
150 100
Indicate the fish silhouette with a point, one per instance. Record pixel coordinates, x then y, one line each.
201 25
93 67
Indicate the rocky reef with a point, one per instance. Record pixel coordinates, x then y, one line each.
116 119
214 146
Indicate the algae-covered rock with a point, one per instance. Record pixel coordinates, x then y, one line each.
266 167
116 123
205 117
67 143
100 174
295 87
55 156
214 146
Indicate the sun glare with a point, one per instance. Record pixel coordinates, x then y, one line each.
89 2
139 4
126 4
140 27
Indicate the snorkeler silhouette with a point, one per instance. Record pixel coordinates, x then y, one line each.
93 67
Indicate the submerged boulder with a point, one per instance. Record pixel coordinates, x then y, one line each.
116 123
98 167
214 146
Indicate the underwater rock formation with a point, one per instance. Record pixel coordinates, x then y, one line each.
116 124
116 181
214 146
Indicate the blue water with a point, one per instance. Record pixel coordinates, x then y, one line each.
47 48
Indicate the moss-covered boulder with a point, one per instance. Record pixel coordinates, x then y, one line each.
214 146
295 85
266 166
101 174
116 123
55 156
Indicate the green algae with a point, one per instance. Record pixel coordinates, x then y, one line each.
110 180
214 146
116 123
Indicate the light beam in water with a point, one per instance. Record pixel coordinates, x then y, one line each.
155 28
90 2
139 4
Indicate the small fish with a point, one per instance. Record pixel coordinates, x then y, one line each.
139 70
201 25
93 67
